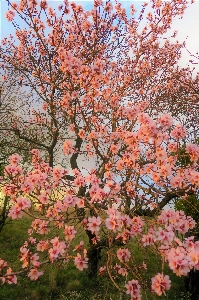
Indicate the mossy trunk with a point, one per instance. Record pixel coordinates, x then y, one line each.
93 260
4 212
93 254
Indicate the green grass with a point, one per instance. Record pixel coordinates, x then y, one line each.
66 282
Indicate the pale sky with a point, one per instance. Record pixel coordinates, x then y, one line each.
188 29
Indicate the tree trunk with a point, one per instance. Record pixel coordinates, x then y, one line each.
4 212
93 254
192 284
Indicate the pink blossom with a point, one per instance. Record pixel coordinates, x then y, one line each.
102 270
68 147
10 279
42 246
123 254
69 233
111 224
53 253
82 134
178 132
166 120
14 159
120 270
94 224
133 289
15 212
193 151
81 262
34 260
69 201
148 239
165 236
178 261
3 264
115 220
43 227
10 15
43 198
43 4
79 247
58 173
80 202
79 181
173 147
193 257
34 274
160 283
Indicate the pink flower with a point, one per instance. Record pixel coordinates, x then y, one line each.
16 210
34 260
193 151
43 198
79 181
111 224
43 4
69 233
115 220
42 246
69 201
10 15
81 262
82 134
94 224
58 173
10 279
193 257
68 147
178 132
53 253
165 235
51 12
160 283
15 213
3 264
14 159
148 239
166 120
133 289
178 261
34 274
123 254
80 202
173 147
120 270
102 270
35 152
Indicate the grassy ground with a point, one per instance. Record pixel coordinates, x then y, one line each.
66 282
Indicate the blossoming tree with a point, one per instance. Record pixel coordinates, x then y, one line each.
96 70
